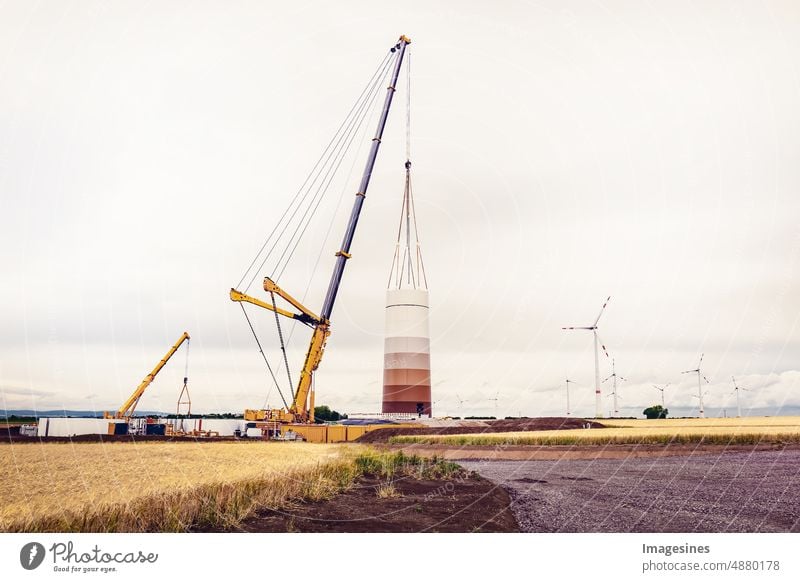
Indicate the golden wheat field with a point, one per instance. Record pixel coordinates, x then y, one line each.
735 423
710 430
156 486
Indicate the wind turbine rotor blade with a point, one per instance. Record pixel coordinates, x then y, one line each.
707 380
611 376
602 345
623 379
701 361
601 310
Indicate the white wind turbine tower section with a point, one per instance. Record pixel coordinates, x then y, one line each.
737 388
597 342
614 375
699 384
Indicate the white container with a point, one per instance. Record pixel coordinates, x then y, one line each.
67 427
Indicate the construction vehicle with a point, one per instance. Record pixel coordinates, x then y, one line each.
128 408
301 408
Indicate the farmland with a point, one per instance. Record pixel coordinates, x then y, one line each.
159 486
722 431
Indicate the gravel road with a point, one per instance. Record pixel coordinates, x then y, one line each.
725 492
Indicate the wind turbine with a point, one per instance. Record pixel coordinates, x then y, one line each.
593 329
736 389
495 399
568 381
663 404
615 376
460 405
699 384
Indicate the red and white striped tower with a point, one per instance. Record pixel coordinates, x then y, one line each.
407 361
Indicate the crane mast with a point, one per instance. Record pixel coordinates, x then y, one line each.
302 406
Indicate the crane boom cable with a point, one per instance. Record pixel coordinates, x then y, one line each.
322 189
420 262
383 64
347 240
333 154
186 367
331 222
263 355
408 105
325 176
283 345
407 266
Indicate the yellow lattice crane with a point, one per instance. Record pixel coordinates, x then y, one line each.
301 409
129 407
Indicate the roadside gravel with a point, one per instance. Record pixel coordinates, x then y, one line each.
726 492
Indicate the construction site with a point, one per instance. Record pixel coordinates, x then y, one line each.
541 441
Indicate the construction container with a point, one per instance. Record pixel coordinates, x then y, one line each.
353 432
66 427
313 433
118 428
407 362
155 429
253 433
336 433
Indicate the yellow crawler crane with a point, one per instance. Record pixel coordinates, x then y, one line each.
129 407
301 409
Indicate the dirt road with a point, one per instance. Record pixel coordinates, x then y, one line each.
724 492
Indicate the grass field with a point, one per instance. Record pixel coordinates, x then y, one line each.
709 431
159 486
163 487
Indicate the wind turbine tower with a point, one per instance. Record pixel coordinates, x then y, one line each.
737 388
699 384
663 403
597 343
615 376
460 405
495 400
568 382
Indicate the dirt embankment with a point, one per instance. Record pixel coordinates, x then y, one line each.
465 503
510 425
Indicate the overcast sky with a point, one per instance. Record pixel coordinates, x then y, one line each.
563 152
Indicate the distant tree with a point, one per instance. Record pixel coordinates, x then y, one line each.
656 411
324 413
